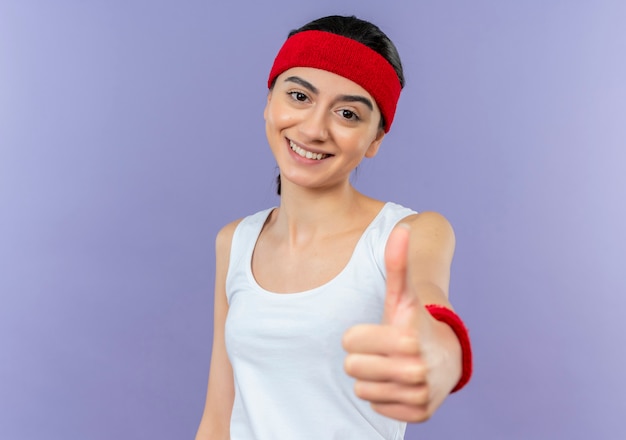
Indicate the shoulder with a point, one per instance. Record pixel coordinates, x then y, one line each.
223 245
430 222
424 224
431 233
225 237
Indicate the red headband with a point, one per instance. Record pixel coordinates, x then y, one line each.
345 57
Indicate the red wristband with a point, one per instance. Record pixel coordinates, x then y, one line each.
444 314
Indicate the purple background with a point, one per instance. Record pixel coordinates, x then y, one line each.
131 131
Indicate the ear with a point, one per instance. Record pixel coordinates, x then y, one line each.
375 145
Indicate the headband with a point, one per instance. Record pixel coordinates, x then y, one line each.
345 57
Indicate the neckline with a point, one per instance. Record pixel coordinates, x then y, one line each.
313 290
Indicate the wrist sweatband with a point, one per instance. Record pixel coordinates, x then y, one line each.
345 57
444 314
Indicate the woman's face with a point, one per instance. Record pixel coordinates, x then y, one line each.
320 126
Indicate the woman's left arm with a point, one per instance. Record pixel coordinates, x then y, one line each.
407 365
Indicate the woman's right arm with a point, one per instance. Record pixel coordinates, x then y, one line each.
215 423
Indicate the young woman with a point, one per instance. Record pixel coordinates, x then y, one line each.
332 318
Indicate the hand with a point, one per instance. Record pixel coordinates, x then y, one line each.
395 363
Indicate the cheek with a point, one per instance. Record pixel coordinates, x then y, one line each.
270 118
276 120
357 142
283 120
276 114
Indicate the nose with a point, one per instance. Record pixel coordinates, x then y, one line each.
314 126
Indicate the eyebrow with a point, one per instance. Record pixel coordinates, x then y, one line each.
342 98
356 98
307 85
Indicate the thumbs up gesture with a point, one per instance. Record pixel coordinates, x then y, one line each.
406 365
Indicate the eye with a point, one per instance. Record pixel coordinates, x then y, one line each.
298 96
349 114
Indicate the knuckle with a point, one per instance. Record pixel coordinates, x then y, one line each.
408 345
416 373
419 415
418 397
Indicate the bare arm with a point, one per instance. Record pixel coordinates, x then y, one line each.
407 365
431 249
215 423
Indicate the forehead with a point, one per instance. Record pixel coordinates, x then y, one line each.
325 82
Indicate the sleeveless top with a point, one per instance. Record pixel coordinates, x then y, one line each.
285 348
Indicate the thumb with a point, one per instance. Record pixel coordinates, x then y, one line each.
396 265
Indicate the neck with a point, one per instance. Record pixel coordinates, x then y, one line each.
307 213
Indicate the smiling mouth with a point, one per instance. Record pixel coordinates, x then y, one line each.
306 154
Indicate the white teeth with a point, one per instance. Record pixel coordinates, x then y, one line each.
304 153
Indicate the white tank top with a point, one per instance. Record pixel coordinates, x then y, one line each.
285 349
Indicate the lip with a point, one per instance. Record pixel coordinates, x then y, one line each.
304 147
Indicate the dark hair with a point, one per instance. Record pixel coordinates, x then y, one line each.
359 30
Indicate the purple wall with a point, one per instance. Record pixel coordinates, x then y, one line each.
130 131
